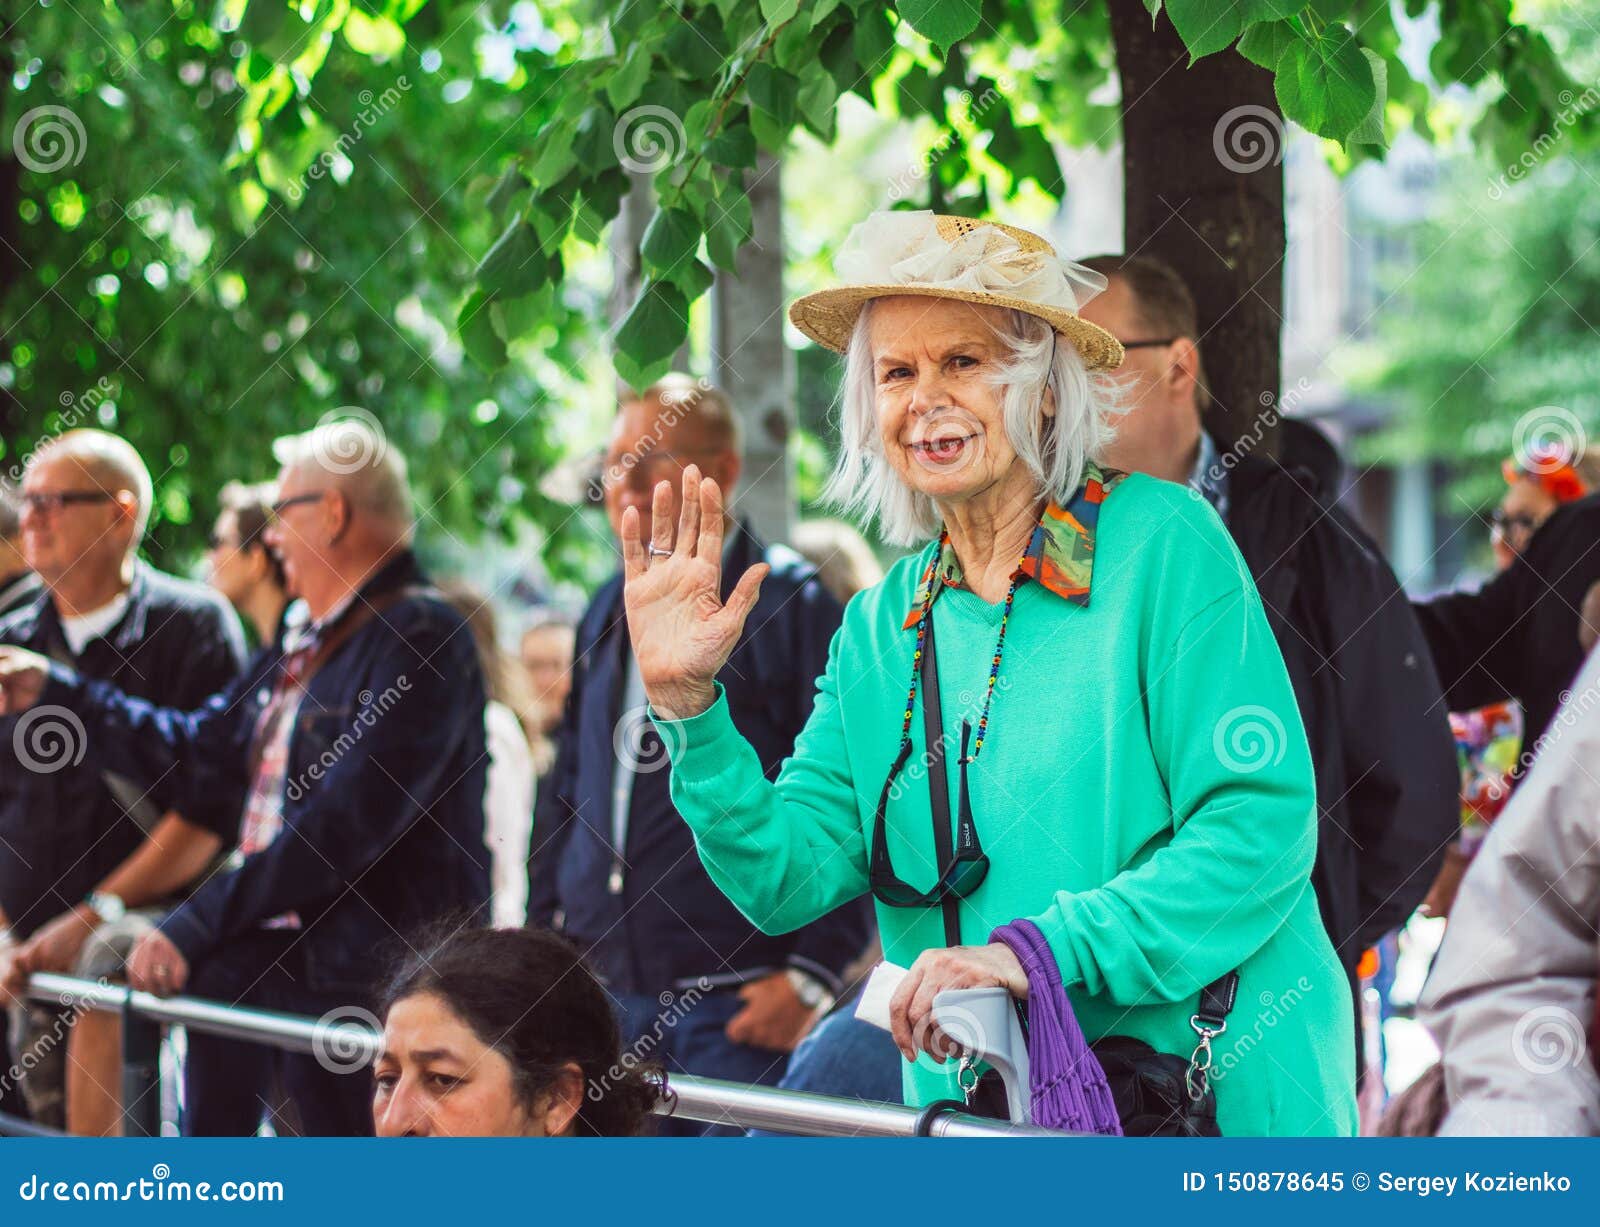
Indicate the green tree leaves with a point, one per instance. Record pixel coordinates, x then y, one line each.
690 93
943 23
651 332
1325 85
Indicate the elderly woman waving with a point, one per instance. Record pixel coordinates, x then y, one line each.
1119 750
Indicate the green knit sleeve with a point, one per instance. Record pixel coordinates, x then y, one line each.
1226 732
785 853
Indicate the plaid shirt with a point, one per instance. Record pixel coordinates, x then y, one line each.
262 820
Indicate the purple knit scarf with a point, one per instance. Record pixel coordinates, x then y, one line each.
1068 1088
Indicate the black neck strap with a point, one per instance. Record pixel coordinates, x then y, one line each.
938 780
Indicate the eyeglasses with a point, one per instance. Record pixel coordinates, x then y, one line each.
283 504
1506 525
1148 344
52 501
962 874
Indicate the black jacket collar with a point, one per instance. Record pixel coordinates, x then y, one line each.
40 617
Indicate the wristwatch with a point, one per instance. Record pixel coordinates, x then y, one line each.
110 908
813 993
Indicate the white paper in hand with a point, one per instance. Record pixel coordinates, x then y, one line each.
873 1004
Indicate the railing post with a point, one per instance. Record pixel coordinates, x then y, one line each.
141 1076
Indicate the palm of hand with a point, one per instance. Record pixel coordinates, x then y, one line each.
673 620
681 629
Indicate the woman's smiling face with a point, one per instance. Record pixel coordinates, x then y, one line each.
939 408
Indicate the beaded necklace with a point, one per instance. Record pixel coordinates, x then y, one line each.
1017 577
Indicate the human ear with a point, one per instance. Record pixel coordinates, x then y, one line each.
562 1101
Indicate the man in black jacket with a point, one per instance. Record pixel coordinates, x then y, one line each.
1369 698
698 986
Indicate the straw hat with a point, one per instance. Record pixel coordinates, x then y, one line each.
938 256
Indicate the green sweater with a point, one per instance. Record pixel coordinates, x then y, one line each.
1145 796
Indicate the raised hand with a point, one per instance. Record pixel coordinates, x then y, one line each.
22 678
682 633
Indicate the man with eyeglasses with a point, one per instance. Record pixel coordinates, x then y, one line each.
88 856
352 758
612 864
1363 677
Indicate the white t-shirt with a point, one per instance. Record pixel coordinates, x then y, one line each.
78 631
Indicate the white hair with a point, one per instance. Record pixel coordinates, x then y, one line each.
360 462
116 464
1055 448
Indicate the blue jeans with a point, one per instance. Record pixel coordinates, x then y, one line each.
684 1035
845 1056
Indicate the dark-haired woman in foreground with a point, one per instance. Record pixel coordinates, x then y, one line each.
504 1033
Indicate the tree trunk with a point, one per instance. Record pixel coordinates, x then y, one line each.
1202 152
751 363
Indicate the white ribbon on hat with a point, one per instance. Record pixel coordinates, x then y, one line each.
906 248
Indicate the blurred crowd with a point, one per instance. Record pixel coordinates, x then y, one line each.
325 781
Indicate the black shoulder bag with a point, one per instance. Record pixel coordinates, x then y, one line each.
1158 1094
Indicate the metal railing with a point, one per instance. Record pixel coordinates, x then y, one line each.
709 1100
